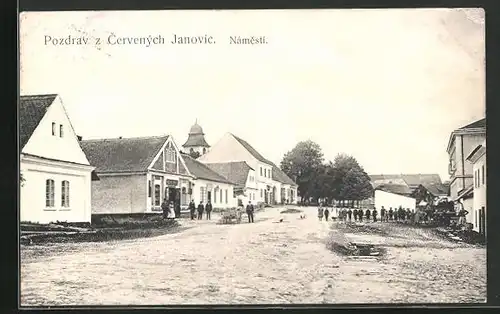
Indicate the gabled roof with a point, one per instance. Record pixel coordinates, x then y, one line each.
252 150
475 125
411 180
236 171
122 154
395 189
32 109
278 175
202 171
437 189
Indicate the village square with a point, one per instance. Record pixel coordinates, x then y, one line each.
348 168
222 224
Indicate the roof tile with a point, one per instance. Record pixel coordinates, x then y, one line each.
122 154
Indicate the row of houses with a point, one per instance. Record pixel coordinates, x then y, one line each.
466 187
67 178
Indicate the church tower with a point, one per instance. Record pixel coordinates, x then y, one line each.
196 143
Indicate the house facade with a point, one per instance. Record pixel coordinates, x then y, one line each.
209 185
136 174
56 174
231 148
239 172
461 142
478 160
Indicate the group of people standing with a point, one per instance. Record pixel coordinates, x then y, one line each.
358 214
200 209
170 209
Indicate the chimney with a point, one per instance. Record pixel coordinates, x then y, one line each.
79 138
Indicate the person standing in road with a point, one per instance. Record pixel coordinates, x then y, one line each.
355 214
368 213
374 214
208 209
383 214
201 208
320 213
391 212
349 214
249 210
360 214
192 209
327 213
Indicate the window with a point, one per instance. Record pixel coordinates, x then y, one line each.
215 197
157 195
61 130
170 155
49 193
261 171
204 150
482 175
268 173
220 194
261 192
149 188
202 194
226 196
65 194
53 128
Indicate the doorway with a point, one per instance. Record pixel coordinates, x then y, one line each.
209 196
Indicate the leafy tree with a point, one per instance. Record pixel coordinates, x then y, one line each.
303 163
351 181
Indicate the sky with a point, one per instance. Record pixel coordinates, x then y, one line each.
385 86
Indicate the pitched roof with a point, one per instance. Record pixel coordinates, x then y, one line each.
202 171
475 125
394 188
409 179
122 154
437 189
277 173
280 176
32 109
236 171
252 150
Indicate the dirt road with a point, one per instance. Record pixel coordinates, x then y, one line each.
263 262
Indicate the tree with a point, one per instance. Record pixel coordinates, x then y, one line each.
351 182
303 163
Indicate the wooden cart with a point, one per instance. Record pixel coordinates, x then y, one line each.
231 216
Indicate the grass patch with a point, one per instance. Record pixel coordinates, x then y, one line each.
360 228
291 211
106 232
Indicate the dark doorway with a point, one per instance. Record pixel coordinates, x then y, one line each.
209 196
172 195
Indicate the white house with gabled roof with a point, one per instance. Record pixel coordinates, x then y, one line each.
273 186
56 175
